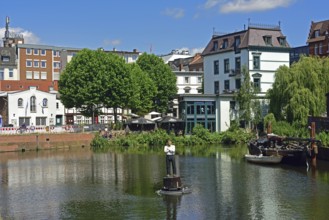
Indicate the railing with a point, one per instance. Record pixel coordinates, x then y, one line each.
235 72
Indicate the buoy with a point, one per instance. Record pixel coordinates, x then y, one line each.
173 186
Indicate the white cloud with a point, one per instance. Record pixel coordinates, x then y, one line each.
211 3
192 51
253 5
29 37
174 12
108 42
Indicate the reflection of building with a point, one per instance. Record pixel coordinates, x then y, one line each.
297 52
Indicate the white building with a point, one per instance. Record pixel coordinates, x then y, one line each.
32 107
261 50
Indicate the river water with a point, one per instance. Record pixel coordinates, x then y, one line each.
80 184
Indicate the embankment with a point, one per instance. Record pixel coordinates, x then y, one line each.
44 141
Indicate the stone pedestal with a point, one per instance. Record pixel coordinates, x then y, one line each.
172 183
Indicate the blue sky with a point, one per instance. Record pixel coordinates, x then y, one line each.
156 26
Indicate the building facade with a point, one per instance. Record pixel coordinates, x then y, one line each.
318 38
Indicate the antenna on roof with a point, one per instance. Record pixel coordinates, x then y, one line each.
279 23
213 31
248 22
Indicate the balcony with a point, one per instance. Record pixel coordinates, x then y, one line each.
227 91
235 72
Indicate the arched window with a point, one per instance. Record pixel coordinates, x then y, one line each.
45 102
20 103
187 89
33 106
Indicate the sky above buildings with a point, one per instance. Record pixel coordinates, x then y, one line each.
154 26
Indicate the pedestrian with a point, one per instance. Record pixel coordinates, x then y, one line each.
169 149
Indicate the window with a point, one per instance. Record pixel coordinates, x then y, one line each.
20 103
28 74
187 80
28 63
199 79
317 33
5 58
56 53
225 44
35 51
257 83
36 63
226 66
28 51
216 87
320 48
237 83
237 42
43 52
187 90
56 65
237 64
11 73
43 64
40 120
282 41
43 75
268 39
227 84
2 73
215 46
199 89
36 75
216 67
256 63
102 119
57 105
45 102
33 106
316 49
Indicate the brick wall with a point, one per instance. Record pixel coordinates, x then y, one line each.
44 141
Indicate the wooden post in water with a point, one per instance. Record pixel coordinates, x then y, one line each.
269 128
314 148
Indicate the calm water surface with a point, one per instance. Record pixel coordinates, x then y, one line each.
79 184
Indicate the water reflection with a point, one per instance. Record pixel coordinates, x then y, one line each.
80 184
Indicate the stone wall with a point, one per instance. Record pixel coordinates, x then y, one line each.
44 141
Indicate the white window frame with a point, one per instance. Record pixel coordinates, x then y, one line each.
28 51
36 75
29 62
11 72
35 51
43 64
36 63
43 75
29 75
43 52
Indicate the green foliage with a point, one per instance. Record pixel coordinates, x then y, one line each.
269 118
284 128
162 76
246 98
99 143
299 91
324 138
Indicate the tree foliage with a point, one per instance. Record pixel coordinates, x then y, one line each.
299 91
162 76
246 98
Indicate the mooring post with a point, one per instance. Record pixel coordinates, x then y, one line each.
314 147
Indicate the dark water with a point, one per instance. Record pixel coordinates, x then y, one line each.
79 184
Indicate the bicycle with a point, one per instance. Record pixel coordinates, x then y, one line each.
21 130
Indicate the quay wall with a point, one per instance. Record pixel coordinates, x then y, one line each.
44 141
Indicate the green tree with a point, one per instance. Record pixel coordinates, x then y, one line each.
163 77
246 97
95 79
144 91
300 90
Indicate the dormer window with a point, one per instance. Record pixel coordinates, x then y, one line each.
225 44
5 58
317 33
268 39
215 46
282 41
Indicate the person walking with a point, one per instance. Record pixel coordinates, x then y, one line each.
169 149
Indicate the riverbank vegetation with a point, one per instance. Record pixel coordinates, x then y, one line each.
143 141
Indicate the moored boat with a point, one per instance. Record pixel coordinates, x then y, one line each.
273 159
294 151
